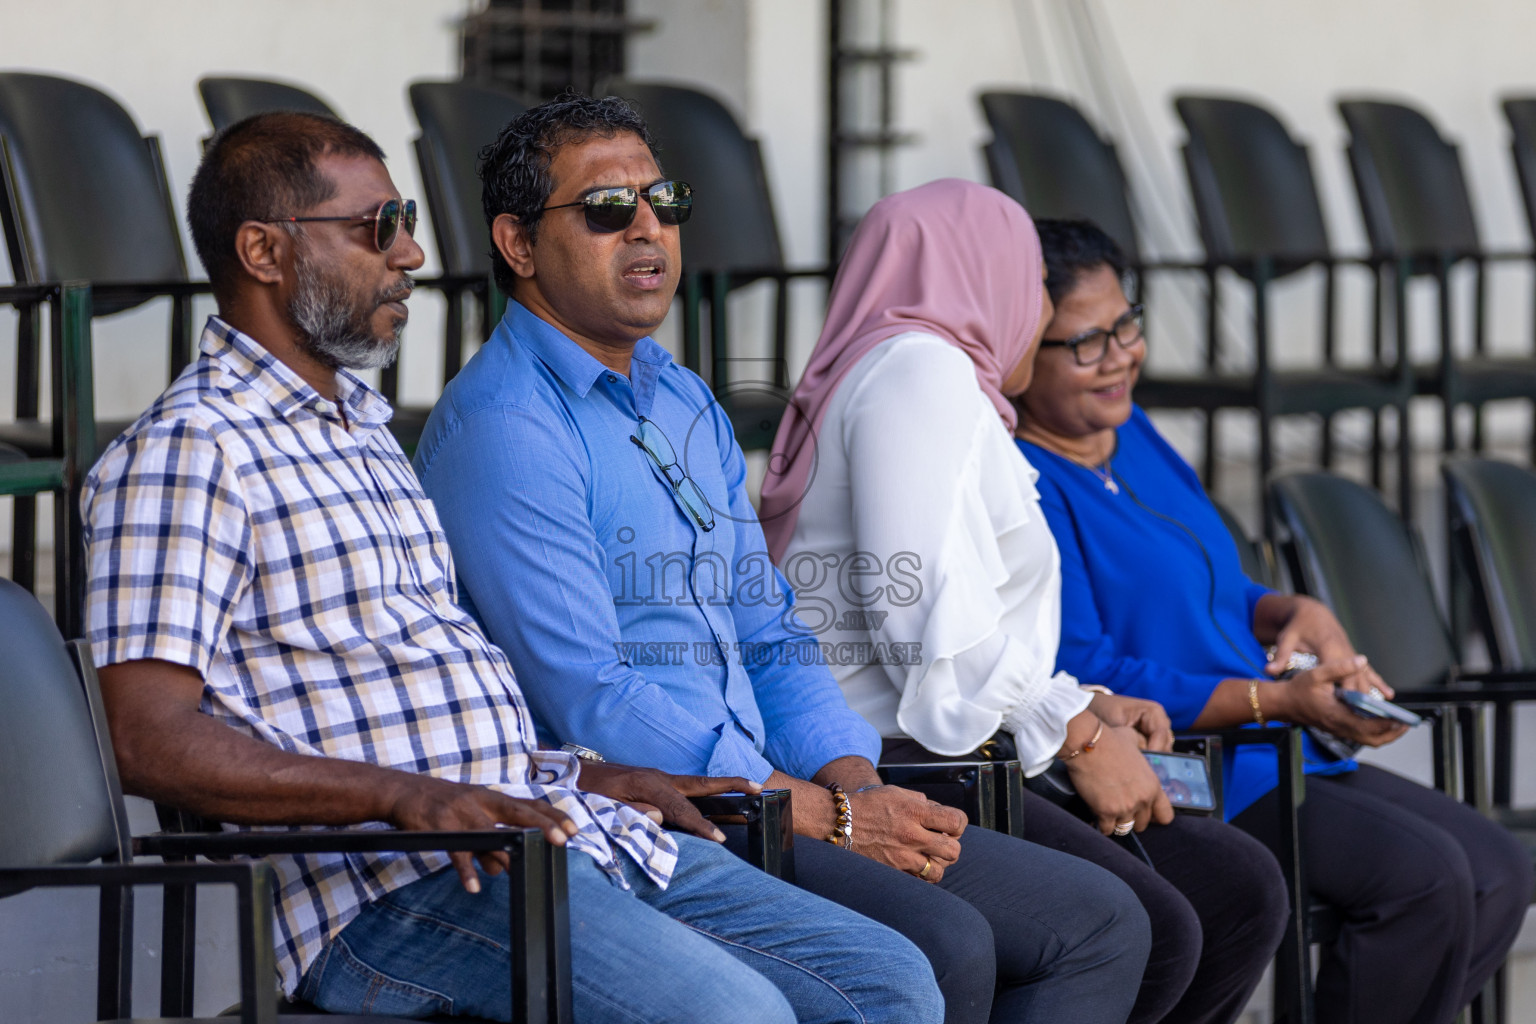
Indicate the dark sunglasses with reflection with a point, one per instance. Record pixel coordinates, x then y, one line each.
613 209
654 443
391 216
1090 347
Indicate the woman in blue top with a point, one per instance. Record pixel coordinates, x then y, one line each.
1156 605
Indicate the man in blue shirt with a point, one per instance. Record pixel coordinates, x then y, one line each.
596 500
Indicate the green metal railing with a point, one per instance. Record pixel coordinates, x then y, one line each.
71 450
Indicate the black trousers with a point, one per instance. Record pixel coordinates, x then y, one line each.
1431 892
1216 901
1015 932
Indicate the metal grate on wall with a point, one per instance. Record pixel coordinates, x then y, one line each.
537 48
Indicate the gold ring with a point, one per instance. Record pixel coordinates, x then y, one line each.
927 866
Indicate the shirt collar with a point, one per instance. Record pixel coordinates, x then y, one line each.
287 392
576 368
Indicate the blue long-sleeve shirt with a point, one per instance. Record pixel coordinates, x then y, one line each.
632 631
1150 608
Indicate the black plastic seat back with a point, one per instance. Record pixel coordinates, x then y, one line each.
1046 155
1520 111
1349 550
1493 509
1413 193
57 804
1252 184
84 195
458 119
229 100
732 226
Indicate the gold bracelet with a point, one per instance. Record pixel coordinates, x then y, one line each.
842 831
1253 701
1089 745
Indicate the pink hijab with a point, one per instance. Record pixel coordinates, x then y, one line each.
950 258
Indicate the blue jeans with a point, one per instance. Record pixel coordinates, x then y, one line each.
722 942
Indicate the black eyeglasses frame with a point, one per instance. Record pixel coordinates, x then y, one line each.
1131 316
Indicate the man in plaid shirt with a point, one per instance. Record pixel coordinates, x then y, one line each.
272 603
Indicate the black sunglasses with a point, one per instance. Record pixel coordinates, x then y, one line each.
1090 347
613 209
392 215
654 443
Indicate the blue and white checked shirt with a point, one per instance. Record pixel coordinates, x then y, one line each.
635 632
240 529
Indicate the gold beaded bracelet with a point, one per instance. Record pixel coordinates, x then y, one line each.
1253 701
842 831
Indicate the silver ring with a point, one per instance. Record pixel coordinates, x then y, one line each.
1376 692
1124 828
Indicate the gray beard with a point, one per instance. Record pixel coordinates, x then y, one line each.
336 331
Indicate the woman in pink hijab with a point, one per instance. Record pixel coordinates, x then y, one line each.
908 524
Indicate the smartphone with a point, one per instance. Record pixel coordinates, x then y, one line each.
1186 780
1368 706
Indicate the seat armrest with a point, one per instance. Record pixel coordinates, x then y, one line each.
452 282
1497 677
1270 735
15 880
1209 746
770 821
267 844
254 886
1474 692
538 909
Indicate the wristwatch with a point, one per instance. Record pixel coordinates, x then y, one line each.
585 753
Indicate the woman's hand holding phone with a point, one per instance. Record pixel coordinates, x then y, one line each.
1116 781
1311 698
1306 625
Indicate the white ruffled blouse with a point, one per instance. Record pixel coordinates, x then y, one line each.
922 560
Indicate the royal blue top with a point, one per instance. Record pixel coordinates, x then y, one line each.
632 631
1154 602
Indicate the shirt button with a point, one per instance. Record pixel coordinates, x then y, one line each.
612 379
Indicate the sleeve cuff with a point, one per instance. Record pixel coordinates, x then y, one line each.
821 739
1256 593
1040 729
116 648
733 755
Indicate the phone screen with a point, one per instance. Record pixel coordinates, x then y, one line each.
1185 780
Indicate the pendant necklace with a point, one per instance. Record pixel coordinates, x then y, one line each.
1105 473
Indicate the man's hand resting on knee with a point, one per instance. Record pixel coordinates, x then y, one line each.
894 826
902 828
